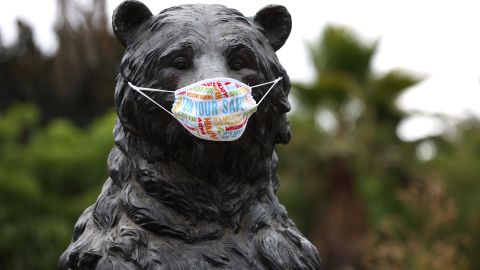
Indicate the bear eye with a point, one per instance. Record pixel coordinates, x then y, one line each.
237 64
180 63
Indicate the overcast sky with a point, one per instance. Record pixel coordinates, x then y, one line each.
439 40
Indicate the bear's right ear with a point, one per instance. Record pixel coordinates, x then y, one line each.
126 19
277 24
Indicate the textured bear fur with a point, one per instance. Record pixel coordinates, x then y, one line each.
174 201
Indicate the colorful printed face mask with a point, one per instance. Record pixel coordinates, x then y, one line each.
213 109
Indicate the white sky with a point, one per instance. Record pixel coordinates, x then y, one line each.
439 40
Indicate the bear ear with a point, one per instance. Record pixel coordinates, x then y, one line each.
126 19
277 23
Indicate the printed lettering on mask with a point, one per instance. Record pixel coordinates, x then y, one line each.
214 109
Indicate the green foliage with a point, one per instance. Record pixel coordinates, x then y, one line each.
424 235
345 157
340 51
48 176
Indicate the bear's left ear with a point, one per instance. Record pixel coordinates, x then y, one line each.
126 19
277 23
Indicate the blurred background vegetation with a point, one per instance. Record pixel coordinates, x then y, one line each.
367 199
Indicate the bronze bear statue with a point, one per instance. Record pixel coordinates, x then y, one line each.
174 201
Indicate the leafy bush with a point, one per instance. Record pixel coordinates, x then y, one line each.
48 176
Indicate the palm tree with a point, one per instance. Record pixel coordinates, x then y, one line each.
344 145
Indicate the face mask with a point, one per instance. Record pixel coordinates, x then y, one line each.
213 109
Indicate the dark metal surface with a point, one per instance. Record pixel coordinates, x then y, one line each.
173 201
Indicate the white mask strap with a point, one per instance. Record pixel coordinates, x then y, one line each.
139 90
149 89
268 91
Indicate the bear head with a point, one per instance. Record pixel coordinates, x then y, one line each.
190 43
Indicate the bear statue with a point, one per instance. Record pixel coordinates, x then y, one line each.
176 201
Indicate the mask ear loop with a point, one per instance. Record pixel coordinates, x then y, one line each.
139 90
268 91
149 89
